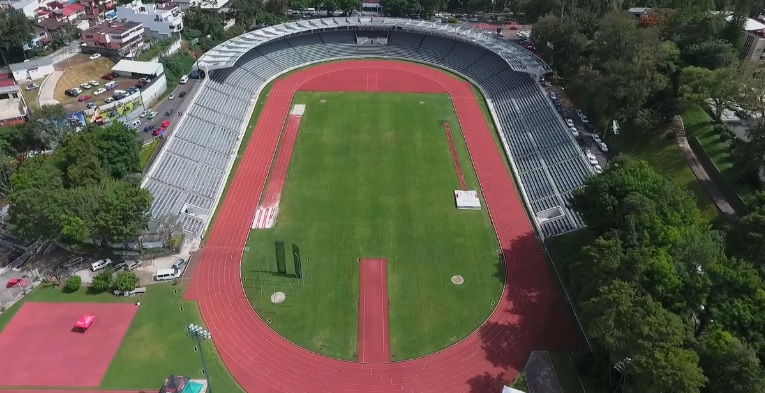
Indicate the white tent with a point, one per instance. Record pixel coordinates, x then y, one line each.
508 389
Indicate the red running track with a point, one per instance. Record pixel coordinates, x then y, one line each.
455 157
530 314
374 342
279 171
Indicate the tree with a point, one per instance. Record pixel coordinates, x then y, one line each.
737 302
721 86
122 211
117 148
49 124
73 283
730 365
15 28
103 280
712 54
398 8
125 281
78 162
568 43
748 237
348 6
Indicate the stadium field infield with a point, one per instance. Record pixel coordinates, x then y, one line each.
372 175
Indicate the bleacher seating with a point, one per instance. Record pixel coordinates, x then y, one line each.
192 169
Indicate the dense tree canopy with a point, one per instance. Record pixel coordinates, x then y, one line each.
81 191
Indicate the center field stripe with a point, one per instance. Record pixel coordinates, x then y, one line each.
455 157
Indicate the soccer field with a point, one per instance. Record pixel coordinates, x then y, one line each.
371 176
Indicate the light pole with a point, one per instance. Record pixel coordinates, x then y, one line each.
199 333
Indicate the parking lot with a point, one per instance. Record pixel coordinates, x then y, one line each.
80 69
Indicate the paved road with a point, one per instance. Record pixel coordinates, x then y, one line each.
162 106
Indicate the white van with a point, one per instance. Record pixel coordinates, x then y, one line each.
110 85
100 264
166 274
120 93
135 123
184 79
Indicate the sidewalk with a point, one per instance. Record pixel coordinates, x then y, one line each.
701 174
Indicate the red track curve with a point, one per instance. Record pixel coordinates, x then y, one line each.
530 314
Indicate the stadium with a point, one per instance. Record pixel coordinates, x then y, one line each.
380 88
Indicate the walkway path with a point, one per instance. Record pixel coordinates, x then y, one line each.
48 88
701 174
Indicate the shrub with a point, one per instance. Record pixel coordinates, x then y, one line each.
73 283
125 281
103 281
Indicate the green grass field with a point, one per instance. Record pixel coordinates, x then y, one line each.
362 183
155 345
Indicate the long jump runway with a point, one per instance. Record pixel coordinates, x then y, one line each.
530 314
374 341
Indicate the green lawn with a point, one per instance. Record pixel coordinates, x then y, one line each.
362 183
698 123
155 344
663 154
147 151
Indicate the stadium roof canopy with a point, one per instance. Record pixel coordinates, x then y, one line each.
227 53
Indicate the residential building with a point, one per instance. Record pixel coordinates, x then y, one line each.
65 12
97 9
113 39
754 41
159 20
13 108
28 7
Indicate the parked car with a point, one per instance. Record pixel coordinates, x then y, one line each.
144 80
83 98
95 56
99 91
72 261
171 96
597 139
71 92
592 159
32 86
120 266
598 169
182 94
132 265
108 77
165 124
108 100
90 105
570 123
169 112
149 128
12 282
144 114
603 147
179 264
93 82
582 116
152 115
100 264
553 96
574 131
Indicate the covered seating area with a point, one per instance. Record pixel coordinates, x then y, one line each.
83 324
179 384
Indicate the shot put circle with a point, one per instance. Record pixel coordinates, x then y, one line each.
278 297
458 280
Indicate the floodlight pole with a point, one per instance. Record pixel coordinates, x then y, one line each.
199 333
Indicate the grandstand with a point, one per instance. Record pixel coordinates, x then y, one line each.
188 176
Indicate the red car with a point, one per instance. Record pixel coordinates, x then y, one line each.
165 124
108 77
83 98
13 282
